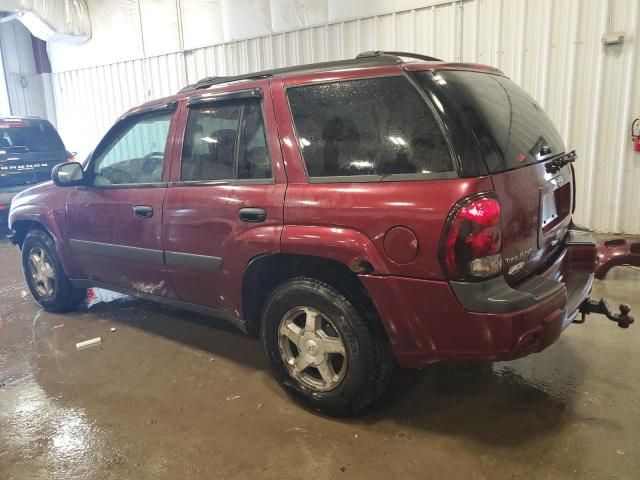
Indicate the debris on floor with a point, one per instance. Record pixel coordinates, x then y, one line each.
60 325
113 329
232 397
89 343
98 295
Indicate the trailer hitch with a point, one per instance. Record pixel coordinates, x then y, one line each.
623 319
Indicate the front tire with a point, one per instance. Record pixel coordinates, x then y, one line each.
45 276
322 350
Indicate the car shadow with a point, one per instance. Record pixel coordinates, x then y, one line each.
505 403
204 333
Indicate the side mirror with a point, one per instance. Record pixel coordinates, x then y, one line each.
67 174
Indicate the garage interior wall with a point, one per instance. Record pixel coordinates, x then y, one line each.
145 49
27 91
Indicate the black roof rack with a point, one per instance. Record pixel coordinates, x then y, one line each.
365 59
378 53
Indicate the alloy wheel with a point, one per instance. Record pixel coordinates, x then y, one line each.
312 349
42 272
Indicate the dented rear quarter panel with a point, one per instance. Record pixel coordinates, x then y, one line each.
344 221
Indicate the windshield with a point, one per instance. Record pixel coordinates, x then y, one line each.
510 126
29 136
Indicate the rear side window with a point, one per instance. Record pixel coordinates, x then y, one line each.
208 151
30 136
375 126
510 125
218 136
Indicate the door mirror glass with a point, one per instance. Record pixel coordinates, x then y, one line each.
67 174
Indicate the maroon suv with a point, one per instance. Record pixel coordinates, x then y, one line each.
351 213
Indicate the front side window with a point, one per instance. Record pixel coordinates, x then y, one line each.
375 126
225 142
136 155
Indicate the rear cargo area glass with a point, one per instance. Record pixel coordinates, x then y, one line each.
33 136
511 127
372 126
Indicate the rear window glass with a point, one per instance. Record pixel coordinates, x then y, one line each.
29 135
510 125
376 126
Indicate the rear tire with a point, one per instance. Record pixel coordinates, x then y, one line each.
45 276
322 350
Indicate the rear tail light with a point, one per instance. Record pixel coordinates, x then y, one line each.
471 243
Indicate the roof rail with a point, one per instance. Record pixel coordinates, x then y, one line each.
377 53
365 59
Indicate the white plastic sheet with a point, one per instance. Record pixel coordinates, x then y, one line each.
129 29
202 23
159 22
246 18
116 37
289 15
53 20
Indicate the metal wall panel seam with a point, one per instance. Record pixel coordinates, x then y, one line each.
567 118
546 37
587 216
622 145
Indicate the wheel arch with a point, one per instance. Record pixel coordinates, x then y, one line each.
265 273
22 227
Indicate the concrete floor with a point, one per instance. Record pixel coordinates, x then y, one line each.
175 395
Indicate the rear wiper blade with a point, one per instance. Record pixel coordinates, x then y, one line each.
560 161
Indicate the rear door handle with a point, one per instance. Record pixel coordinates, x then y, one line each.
254 215
143 211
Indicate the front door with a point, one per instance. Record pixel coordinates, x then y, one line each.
114 226
225 203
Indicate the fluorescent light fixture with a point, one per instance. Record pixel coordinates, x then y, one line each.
209 140
305 142
361 164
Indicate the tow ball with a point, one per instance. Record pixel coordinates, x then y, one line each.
623 319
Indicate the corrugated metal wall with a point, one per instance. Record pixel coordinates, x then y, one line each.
551 48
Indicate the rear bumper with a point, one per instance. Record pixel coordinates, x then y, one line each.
614 252
429 321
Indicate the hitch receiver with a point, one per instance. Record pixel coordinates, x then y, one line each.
623 319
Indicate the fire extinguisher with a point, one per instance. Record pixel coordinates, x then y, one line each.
635 134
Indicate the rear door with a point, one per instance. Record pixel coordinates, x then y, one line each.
225 203
114 226
519 142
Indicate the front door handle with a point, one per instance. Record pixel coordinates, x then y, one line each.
143 211
254 215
